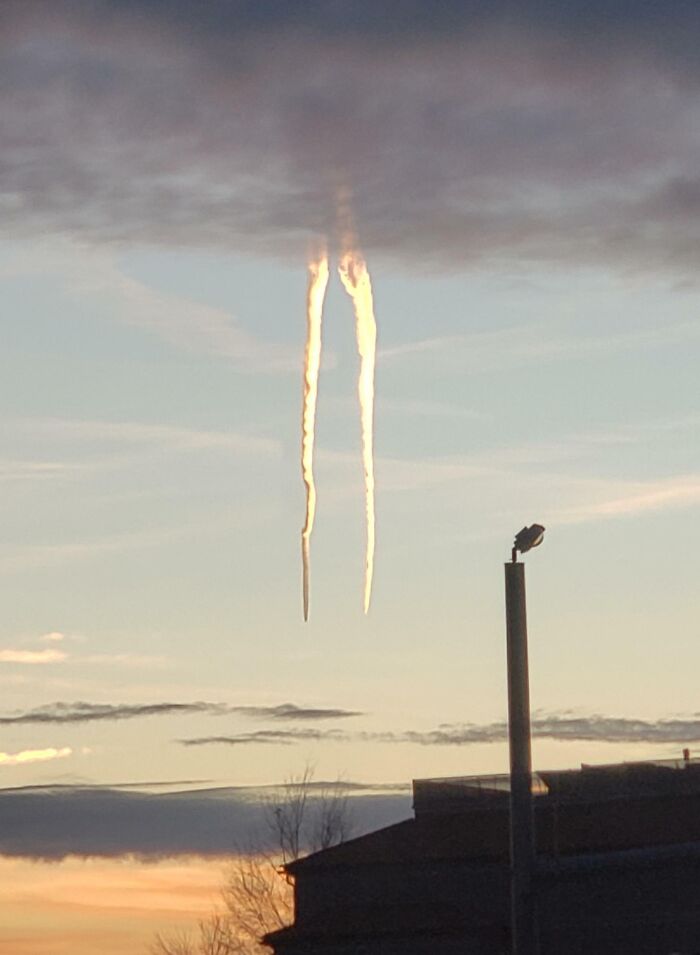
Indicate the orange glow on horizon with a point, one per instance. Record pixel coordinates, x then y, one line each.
82 906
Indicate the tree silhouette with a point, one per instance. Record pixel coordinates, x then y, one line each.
257 898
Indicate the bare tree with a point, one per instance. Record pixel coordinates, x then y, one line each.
214 938
287 816
179 943
332 822
257 898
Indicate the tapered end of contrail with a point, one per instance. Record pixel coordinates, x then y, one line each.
305 574
368 588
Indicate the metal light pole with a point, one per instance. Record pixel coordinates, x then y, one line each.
522 830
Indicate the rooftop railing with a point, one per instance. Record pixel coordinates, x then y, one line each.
646 778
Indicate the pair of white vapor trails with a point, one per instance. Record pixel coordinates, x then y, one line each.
356 281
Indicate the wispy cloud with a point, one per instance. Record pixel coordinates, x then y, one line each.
82 712
55 636
595 728
79 712
559 476
34 756
270 737
558 726
32 657
91 273
83 447
141 436
132 660
409 407
290 711
27 557
635 498
18 471
521 345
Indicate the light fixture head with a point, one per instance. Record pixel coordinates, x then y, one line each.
528 538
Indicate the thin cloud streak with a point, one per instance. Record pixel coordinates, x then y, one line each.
32 657
87 272
132 660
83 712
268 737
486 352
34 756
54 636
142 435
290 711
544 471
25 558
84 447
635 499
595 728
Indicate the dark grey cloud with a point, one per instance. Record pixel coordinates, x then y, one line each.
273 737
456 131
596 728
604 729
54 822
661 29
81 712
290 711
619 730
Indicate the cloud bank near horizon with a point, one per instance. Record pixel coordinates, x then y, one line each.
51 823
459 133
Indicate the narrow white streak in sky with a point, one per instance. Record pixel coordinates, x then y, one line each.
92 273
408 407
32 656
430 409
132 660
144 435
522 345
316 293
41 555
23 471
356 281
640 498
55 636
579 499
34 756
85 449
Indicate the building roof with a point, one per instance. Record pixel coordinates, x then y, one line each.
594 809
432 838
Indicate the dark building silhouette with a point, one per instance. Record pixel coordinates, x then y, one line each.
618 870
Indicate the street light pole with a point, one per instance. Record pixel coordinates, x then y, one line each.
522 830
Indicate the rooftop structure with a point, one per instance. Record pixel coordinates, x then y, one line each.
618 869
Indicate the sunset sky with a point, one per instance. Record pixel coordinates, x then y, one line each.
523 182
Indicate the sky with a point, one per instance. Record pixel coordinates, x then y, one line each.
522 181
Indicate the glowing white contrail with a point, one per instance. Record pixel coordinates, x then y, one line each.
316 292
355 278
